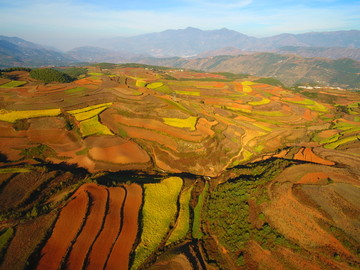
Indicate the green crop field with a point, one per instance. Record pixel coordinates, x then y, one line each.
12 116
183 221
13 84
75 90
158 213
196 229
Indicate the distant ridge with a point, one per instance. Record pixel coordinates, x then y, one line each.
15 51
192 41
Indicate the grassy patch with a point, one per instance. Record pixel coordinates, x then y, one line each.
92 126
310 104
14 170
41 151
158 213
75 90
342 141
13 84
182 224
95 74
5 236
196 229
12 116
154 85
181 123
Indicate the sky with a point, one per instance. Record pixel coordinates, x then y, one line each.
66 24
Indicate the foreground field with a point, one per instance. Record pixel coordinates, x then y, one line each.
136 167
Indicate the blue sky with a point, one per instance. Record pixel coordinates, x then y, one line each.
69 23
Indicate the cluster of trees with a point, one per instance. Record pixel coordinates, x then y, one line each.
48 75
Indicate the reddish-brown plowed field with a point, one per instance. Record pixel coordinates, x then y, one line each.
112 226
119 257
48 136
69 223
314 177
260 258
11 147
306 154
151 135
98 196
128 152
87 81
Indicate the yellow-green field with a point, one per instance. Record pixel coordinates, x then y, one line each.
154 85
158 213
183 221
13 84
92 126
12 116
89 114
188 93
181 123
75 90
260 102
89 108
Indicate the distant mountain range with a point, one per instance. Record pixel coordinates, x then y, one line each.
15 51
190 42
280 56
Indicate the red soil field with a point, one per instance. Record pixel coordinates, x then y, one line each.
99 197
112 226
128 152
307 154
69 223
151 135
314 177
119 257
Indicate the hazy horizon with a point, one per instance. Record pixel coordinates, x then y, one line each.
66 24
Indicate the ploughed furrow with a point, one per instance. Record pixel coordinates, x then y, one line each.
119 257
67 227
104 243
98 197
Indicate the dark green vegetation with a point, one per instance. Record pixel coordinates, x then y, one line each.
228 210
48 75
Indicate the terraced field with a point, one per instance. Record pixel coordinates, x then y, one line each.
146 167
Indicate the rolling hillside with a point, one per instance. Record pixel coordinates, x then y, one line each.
291 70
144 167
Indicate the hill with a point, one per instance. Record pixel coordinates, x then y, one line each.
142 167
291 70
15 51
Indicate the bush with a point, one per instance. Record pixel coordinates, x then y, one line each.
48 75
